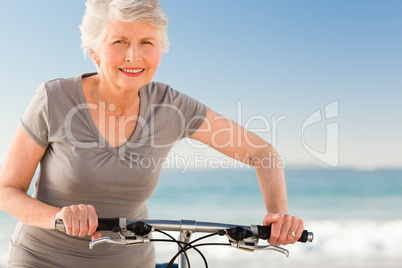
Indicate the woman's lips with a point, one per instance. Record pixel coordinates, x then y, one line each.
132 72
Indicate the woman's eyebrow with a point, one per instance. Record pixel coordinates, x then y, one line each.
118 37
148 38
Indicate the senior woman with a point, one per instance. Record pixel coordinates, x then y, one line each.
90 133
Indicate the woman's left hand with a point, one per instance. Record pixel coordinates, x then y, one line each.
285 229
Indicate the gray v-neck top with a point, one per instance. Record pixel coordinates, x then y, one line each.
80 167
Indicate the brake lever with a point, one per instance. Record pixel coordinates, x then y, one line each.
135 240
275 248
247 240
106 240
253 246
139 235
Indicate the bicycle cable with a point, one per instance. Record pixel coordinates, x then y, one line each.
190 245
185 248
174 241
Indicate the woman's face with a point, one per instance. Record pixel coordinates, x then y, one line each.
129 55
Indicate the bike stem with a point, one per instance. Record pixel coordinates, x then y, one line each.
185 236
186 228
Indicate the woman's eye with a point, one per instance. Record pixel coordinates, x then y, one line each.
147 43
118 42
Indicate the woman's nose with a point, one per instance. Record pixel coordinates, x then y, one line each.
133 55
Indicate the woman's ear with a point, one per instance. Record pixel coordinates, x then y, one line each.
94 56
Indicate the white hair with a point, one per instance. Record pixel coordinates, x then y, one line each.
99 13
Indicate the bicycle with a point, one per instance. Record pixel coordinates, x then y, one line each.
135 232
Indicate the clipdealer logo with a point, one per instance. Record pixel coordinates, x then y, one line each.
330 156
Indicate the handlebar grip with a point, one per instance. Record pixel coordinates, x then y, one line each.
264 232
110 224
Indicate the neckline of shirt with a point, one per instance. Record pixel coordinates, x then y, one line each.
102 142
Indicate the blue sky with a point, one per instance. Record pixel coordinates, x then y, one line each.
257 62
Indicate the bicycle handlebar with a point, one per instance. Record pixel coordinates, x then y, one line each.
136 226
135 232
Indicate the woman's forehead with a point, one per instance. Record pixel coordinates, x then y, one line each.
131 29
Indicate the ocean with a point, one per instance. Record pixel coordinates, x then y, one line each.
356 216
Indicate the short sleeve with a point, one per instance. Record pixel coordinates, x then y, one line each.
193 112
35 120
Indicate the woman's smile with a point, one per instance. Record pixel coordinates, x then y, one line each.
132 72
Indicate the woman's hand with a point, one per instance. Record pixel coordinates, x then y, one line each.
79 220
285 229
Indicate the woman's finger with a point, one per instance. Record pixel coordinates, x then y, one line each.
83 220
96 235
75 221
298 232
285 228
275 220
92 220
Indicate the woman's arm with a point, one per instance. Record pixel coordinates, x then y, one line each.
235 141
15 178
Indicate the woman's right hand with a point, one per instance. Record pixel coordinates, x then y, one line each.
79 220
